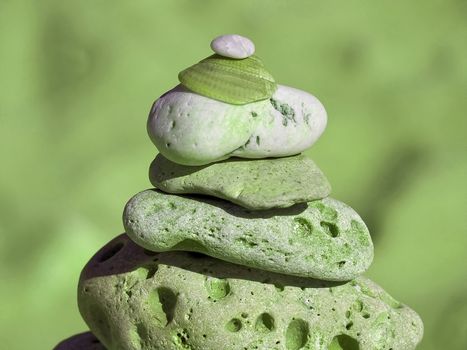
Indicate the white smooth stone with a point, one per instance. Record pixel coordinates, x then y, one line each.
233 46
192 129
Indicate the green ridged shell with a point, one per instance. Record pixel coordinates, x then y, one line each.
229 80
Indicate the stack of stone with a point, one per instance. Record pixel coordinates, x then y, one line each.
239 246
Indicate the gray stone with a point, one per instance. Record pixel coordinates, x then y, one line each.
322 239
133 299
253 184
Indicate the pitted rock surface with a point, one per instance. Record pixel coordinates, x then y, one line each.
132 298
323 239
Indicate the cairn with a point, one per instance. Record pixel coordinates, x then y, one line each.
238 246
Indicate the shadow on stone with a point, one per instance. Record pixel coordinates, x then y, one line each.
241 212
82 341
238 211
131 257
179 170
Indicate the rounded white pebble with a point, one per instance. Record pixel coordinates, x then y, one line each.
233 46
192 129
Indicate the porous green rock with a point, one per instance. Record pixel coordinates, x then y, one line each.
322 239
253 184
134 299
82 341
192 129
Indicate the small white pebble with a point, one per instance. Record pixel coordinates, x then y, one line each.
233 46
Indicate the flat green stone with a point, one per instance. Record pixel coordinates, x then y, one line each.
135 299
82 341
253 184
322 239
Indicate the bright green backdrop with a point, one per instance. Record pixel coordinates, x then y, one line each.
78 79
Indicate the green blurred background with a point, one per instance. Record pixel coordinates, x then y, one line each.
78 79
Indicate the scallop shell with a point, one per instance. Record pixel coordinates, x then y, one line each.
229 80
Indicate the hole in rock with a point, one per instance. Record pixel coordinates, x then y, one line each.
302 227
296 335
161 303
264 323
234 325
330 228
217 288
182 339
108 254
168 300
344 342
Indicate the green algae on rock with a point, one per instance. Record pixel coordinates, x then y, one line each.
132 298
82 341
191 129
323 239
253 184
234 81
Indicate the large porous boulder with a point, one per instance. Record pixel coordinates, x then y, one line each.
134 299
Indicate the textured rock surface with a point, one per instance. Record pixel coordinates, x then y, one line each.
82 341
191 129
322 239
253 184
135 299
